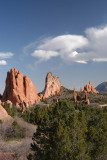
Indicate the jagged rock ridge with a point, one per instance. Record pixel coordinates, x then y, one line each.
19 89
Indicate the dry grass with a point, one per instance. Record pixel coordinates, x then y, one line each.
20 148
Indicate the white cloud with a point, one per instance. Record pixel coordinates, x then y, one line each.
3 62
44 55
75 48
73 54
98 43
63 46
100 59
6 54
81 62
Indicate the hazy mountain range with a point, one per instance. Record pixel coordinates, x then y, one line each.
102 87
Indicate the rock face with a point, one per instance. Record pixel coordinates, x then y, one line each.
19 89
81 90
3 114
52 85
86 98
89 88
75 96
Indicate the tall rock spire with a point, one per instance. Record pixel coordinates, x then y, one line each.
52 85
19 89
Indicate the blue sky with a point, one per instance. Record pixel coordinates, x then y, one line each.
66 37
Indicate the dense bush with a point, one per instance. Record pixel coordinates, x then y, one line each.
67 132
35 115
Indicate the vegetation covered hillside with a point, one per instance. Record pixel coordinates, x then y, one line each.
63 130
95 99
68 132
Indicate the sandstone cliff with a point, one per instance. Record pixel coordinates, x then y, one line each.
19 89
52 85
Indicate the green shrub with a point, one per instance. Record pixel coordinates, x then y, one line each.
34 115
16 130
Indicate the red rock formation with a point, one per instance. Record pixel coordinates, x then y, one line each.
89 88
19 89
81 90
75 96
3 114
52 85
86 98
57 100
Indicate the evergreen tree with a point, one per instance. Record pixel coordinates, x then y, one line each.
68 133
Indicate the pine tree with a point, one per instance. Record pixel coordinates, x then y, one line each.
79 146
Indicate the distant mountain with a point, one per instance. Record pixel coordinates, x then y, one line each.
102 87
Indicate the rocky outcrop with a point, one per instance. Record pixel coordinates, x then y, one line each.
3 114
52 85
81 90
75 96
86 98
89 88
19 89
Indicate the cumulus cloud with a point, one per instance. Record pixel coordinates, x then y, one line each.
75 48
63 46
44 55
3 62
6 54
98 43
